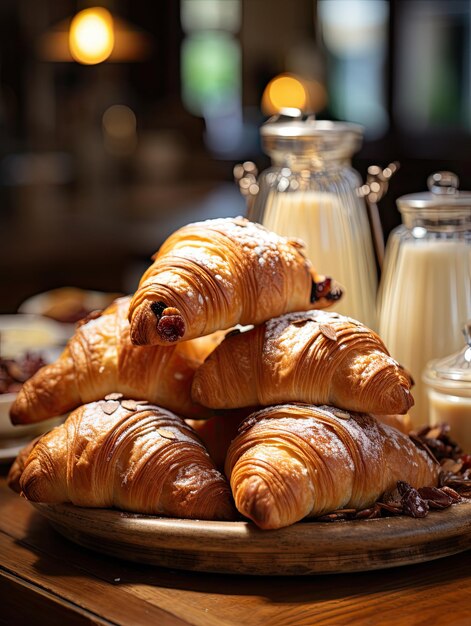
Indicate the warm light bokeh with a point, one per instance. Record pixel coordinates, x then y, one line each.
91 36
119 130
284 91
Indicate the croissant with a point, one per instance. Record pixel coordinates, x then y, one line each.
100 359
295 461
315 356
216 274
135 457
17 467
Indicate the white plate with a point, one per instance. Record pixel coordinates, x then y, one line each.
9 453
13 438
20 333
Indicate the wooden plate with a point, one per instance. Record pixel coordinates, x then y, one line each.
241 548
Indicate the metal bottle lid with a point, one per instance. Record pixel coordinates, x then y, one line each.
294 131
443 195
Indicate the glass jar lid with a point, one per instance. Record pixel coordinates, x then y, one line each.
452 372
443 195
293 131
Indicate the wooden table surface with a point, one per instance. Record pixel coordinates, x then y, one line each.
46 579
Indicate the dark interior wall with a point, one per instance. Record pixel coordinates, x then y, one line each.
96 216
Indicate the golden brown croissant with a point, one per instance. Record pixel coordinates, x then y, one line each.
216 274
17 467
295 461
135 457
315 356
100 359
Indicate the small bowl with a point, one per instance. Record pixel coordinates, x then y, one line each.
21 334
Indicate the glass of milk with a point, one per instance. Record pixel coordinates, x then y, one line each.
311 192
448 384
425 291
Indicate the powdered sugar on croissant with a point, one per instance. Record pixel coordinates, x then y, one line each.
100 359
314 356
215 274
129 455
294 461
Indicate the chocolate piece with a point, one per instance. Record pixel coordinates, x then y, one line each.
320 289
325 289
158 308
14 372
436 498
171 327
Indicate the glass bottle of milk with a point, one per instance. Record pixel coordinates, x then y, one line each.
425 292
311 192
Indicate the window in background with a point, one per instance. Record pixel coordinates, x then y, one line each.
354 33
211 69
433 89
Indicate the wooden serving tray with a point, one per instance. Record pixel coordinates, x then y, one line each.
242 548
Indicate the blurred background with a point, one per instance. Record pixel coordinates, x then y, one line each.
121 122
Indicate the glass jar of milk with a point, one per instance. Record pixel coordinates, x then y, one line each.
425 291
448 383
312 192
